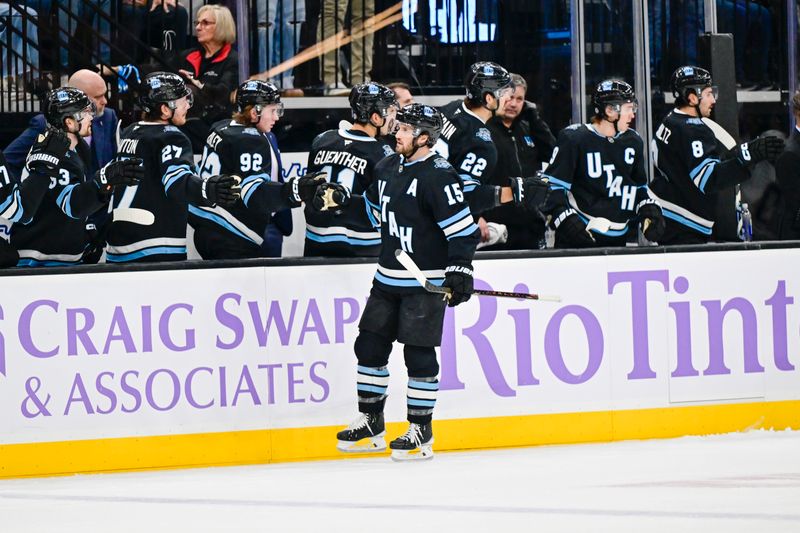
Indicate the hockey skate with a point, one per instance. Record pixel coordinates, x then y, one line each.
365 434
415 444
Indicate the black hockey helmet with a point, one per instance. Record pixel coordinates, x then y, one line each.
163 88
689 78
257 93
486 77
424 119
369 98
66 102
613 93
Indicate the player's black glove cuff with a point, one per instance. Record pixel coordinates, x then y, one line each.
47 152
122 172
330 197
223 189
652 220
762 149
531 192
458 278
303 188
572 230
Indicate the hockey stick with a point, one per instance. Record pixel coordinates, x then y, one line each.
143 217
409 264
720 133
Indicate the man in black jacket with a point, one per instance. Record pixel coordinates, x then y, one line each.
787 173
524 141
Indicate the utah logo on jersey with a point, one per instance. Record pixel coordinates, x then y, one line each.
595 169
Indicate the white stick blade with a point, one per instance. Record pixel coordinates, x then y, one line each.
404 259
143 217
720 133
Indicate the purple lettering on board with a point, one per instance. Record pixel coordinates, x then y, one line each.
638 282
81 398
119 331
552 344
683 331
188 388
524 344
319 380
274 316
716 349
24 332
175 392
340 319
313 323
163 329
229 320
246 386
106 391
483 347
293 398
779 302
76 333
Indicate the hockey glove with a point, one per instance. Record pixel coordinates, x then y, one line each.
47 152
330 196
572 230
762 149
119 172
653 223
530 193
223 189
303 188
94 249
458 278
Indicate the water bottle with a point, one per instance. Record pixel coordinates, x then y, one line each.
746 233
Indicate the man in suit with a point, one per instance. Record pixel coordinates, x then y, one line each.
787 173
103 138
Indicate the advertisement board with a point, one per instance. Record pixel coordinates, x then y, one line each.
639 346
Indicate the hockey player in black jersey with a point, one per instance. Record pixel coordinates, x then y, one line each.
692 165
240 146
418 202
170 181
598 178
467 143
56 233
348 157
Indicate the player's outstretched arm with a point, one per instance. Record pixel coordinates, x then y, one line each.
267 196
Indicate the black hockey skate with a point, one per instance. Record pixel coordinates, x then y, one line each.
415 444
365 434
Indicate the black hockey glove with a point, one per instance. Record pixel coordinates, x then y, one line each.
653 223
573 232
223 189
94 249
303 188
763 149
47 151
458 278
119 172
530 193
8 255
330 197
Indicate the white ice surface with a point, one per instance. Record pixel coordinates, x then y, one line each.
739 482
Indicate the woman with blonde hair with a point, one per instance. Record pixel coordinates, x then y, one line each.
211 71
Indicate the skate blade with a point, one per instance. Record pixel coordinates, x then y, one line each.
423 453
368 445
